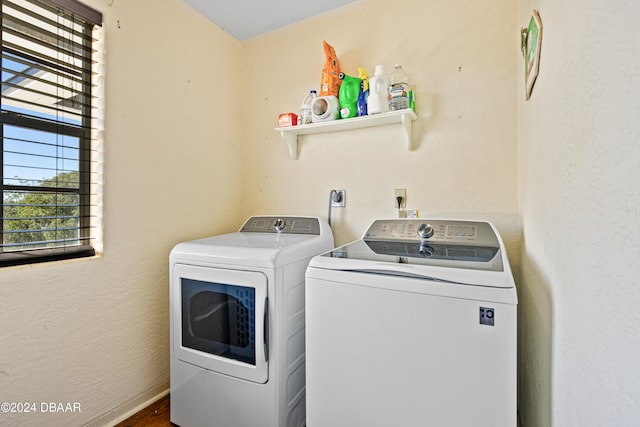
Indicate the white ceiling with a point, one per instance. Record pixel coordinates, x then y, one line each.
245 19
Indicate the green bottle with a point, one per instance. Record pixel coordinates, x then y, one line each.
348 96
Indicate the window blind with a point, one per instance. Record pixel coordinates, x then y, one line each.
46 117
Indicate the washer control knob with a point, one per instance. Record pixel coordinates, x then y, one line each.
425 231
279 224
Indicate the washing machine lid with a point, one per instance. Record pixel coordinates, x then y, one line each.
263 241
455 251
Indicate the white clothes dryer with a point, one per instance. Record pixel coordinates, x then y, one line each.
237 326
412 325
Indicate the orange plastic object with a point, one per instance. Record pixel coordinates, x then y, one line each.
330 81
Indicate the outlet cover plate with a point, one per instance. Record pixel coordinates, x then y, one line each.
400 192
341 202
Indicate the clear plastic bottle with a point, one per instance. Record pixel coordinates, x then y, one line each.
398 89
305 108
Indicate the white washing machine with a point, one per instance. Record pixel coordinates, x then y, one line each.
237 317
412 325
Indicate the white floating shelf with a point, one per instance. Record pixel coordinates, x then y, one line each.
291 134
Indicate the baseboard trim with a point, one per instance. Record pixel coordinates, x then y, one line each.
130 407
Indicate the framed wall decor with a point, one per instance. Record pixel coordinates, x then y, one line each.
531 39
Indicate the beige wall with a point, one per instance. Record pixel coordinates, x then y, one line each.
186 156
462 64
96 331
579 169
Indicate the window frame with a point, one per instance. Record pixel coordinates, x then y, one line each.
83 132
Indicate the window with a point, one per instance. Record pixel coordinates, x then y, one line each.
48 109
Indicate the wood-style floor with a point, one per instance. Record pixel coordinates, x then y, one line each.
157 415
154 415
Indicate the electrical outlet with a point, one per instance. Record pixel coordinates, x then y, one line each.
338 198
400 192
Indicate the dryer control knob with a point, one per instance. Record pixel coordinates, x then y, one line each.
279 224
425 231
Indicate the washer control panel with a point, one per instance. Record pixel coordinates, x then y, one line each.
282 224
433 230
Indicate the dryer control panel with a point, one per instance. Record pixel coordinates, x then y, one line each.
433 230
282 224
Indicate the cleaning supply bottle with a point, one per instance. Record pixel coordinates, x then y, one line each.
305 108
412 100
378 100
364 92
398 89
348 95
325 108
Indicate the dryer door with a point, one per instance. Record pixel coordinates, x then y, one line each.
220 320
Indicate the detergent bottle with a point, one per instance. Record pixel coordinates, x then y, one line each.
378 100
364 92
348 95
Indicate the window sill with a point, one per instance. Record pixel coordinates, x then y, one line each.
9 259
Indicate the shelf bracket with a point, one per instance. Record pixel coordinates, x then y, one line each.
292 141
406 123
